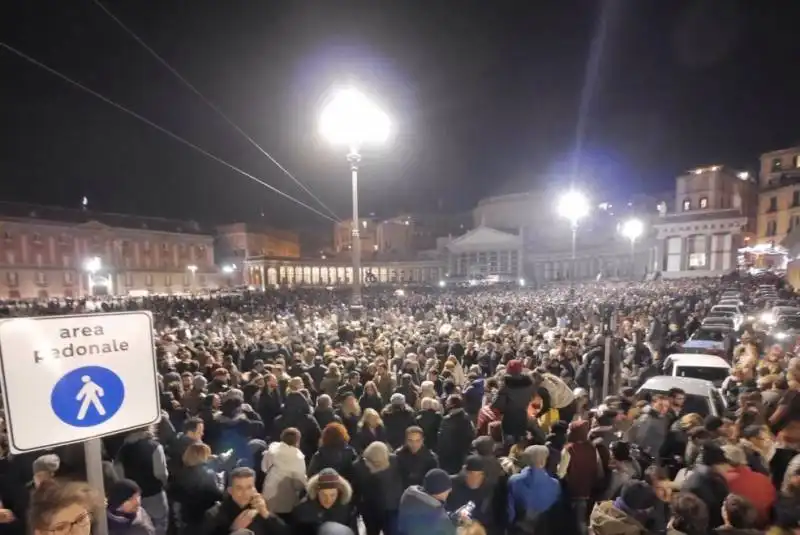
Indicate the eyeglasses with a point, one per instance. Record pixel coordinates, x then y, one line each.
84 520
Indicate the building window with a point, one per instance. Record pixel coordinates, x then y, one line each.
167 280
773 204
10 257
68 278
796 161
41 278
37 238
772 228
796 198
687 205
12 278
148 280
777 164
703 202
129 279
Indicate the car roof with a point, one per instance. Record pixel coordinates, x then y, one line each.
699 359
690 385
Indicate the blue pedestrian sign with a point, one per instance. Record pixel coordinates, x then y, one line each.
67 379
87 396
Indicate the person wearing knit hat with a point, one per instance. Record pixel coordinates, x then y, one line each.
328 500
628 513
397 399
513 400
121 491
514 367
124 512
422 508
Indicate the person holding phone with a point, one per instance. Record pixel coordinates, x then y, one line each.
243 508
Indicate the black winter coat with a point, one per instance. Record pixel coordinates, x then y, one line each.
379 491
414 466
396 420
512 402
430 421
455 440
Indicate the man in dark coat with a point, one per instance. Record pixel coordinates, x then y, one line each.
243 508
455 436
707 481
415 460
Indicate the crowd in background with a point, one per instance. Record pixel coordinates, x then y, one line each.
479 410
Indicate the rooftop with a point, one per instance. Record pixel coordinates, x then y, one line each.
73 216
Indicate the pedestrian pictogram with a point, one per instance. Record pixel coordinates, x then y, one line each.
90 394
87 396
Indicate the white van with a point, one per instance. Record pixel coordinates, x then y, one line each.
698 366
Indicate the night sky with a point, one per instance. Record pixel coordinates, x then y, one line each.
486 97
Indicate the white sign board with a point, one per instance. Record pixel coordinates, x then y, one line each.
67 379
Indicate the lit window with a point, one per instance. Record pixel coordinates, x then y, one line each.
687 205
777 164
68 277
703 202
12 278
797 161
41 278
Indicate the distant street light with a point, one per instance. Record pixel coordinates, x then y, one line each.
351 119
230 268
633 229
573 206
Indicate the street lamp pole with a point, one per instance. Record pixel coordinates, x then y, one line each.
354 157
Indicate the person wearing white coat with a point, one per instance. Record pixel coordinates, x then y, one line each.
285 468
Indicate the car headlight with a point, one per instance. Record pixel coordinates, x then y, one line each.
781 336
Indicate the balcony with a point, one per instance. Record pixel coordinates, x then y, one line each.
789 177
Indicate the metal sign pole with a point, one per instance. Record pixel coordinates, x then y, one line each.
93 452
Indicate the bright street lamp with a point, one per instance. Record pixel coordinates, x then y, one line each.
351 119
632 229
227 269
573 206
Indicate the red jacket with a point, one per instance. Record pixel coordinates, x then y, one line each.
755 487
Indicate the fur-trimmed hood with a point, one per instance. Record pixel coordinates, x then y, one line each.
345 490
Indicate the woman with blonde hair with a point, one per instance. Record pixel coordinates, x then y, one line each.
197 487
370 429
331 381
427 391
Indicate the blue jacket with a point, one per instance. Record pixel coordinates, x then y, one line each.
531 491
422 514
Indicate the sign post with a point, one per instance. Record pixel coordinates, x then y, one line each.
71 379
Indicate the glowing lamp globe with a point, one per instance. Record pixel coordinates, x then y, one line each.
632 229
351 119
573 206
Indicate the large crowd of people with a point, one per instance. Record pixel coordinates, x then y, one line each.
476 410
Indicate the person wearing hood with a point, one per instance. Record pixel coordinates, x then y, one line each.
397 417
455 436
513 399
285 468
323 412
626 515
707 481
378 486
124 512
581 469
473 395
142 459
242 508
422 508
739 517
532 492
328 499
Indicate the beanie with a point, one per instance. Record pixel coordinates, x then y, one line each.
514 367
328 479
121 491
398 399
474 463
436 481
638 495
